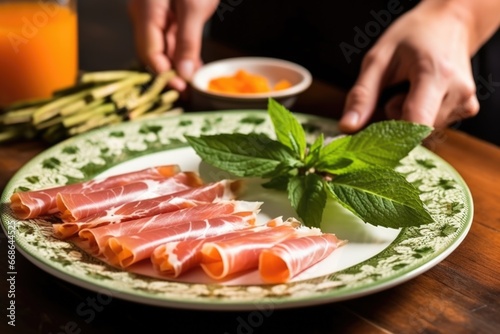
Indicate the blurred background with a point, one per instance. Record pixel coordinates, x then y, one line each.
105 34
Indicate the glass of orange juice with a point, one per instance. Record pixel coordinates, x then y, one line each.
38 48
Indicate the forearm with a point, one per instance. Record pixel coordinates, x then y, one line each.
480 17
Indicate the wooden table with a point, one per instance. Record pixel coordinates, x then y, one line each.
459 295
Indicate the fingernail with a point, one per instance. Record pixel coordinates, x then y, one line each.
350 119
185 69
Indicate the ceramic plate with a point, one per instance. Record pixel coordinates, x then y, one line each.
374 259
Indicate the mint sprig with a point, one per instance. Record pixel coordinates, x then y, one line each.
355 170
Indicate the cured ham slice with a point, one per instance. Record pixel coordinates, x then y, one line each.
177 257
31 204
221 259
126 250
67 230
285 260
212 192
96 238
75 206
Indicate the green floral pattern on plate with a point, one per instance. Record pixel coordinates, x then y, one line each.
415 250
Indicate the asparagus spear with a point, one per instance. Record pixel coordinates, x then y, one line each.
49 123
94 123
89 114
73 107
18 116
158 84
137 112
27 103
68 110
165 110
99 98
120 97
103 76
165 100
169 96
110 88
52 108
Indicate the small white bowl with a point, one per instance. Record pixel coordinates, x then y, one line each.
272 69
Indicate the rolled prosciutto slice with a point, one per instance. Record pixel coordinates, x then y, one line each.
31 204
212 192
95 239
285 260
75 206
221 259
177 257
67 230
126 250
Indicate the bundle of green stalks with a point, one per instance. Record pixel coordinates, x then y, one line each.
97 99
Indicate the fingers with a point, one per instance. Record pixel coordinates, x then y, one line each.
149 20
470 108
456 107
459 102
362 98
191 18
424 100
394 107
449 111
439 98
168 34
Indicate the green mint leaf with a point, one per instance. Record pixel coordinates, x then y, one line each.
244 155
314 153
380 196
386 143
335 158
381 144
307 195
288 129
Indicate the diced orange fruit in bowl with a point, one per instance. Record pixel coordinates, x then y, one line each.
282 84
245 82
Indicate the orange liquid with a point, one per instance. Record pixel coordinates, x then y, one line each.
38 50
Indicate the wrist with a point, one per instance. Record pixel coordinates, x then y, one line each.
478 18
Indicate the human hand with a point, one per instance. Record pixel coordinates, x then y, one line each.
429 48
168 34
